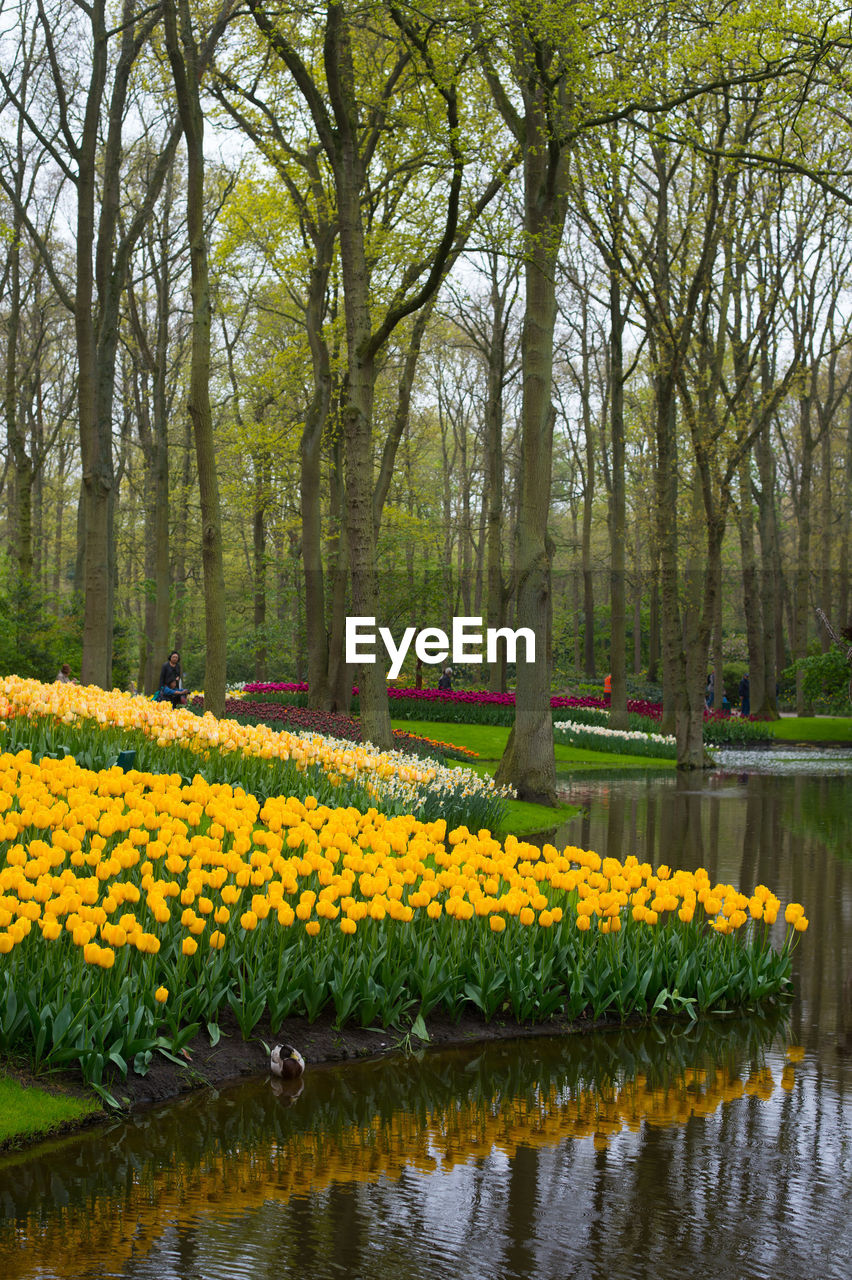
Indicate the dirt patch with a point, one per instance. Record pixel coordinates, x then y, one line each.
233 1058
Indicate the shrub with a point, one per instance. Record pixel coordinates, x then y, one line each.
825 679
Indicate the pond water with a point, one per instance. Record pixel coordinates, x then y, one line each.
724 1150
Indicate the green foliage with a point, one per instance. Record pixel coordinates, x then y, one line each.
732 731
34 640
732 674
825 679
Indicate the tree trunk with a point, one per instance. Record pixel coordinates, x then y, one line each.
153 438
159 633
261 500
576 580
183 57
667 545
718 657
358 399
15 438
768 583
97 488
340 672
58 589
801 599
826 531
618 519
752 603
181 531
588 574
845 537
654 621
310 477
528 762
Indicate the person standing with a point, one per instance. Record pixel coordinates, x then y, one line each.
446 681
171 670
745 698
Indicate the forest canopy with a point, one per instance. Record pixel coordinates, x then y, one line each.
533 313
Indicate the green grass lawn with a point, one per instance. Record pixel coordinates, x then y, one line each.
489 741
27 1112
812 729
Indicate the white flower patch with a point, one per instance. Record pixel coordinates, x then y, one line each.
399 775
623 735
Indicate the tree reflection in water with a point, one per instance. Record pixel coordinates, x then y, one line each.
176 1178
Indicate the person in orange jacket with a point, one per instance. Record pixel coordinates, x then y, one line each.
607 685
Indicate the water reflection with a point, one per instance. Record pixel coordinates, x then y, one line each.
497 1131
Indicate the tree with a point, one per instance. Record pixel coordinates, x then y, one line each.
370 70
155 346
188 58
69 129
542 74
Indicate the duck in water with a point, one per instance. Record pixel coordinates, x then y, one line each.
286 1062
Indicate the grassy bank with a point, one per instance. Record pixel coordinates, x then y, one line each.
812 729
28 1112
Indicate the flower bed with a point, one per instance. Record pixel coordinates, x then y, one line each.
599 738
469 706
336 725
94 726
135 907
